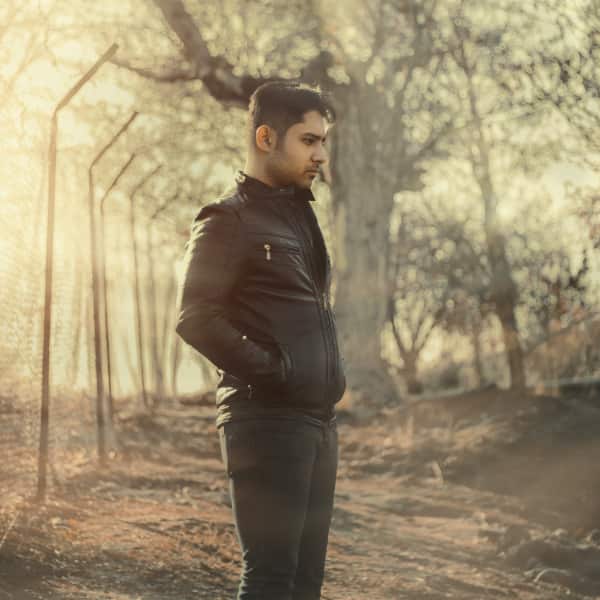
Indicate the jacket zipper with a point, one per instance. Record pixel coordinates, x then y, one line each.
320 295
269 249
336 352
325 302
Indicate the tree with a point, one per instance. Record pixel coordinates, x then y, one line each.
564 72
380 77
503 289
440 278
493 140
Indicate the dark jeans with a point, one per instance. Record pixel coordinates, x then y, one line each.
282 475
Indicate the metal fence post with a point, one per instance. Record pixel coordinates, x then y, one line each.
45 399
115 181
138 303
96 294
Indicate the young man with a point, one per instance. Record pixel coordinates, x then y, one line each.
255 301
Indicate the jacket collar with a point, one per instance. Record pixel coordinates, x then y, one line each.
257 188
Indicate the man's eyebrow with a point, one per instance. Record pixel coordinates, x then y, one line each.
314 136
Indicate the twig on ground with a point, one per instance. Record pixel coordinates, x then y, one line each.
8 529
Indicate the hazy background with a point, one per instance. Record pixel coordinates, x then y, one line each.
461 217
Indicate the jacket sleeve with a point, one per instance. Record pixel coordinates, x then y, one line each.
212 266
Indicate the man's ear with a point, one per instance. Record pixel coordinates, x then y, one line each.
266 138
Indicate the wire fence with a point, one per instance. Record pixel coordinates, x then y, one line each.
71 433
74 434
44 265
21 302
73 427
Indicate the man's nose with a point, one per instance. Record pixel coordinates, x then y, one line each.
320 154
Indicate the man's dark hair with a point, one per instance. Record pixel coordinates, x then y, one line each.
281 104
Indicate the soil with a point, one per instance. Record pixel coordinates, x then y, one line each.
479 495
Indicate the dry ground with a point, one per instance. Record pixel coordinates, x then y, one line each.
456 497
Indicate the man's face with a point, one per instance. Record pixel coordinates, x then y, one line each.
298 157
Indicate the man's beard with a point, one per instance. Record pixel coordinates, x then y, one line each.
278 172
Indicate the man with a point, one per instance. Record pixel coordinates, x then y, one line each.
255 301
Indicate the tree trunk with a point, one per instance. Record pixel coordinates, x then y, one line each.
504 291
361 212
168 330
175 361
477 358
411 373
512 343
76 305
138 304
154 339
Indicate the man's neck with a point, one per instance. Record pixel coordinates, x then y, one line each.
258 173
261 187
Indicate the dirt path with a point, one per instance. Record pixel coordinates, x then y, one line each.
156 525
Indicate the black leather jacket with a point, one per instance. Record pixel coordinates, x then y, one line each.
254 299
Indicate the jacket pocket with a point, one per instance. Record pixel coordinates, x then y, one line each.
275 250
308 382
283 353
287 359
279 379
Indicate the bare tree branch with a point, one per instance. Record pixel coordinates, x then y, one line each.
166 77
215 72
181 22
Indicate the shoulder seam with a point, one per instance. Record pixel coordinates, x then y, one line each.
225 204
231 202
